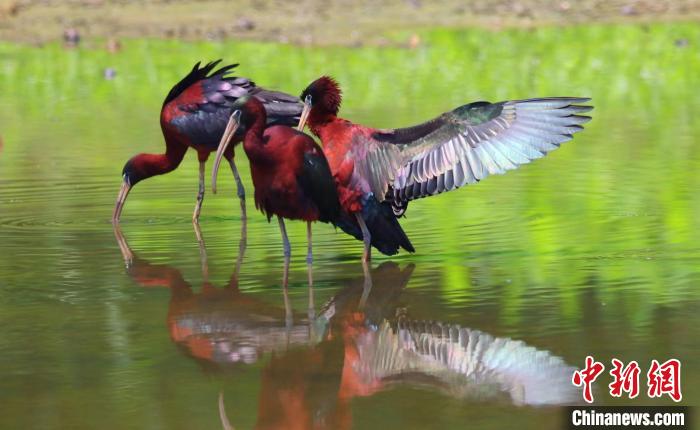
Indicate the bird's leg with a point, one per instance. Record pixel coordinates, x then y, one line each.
366 286
242 244
309 251
366 257
312 307
285 239
202 252
288 319
244 231
366 238
239 188
200 194
285 277
310 272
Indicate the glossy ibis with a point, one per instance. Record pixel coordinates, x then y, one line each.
380 171
290 174
194 115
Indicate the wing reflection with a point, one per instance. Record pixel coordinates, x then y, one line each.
359 343
459 362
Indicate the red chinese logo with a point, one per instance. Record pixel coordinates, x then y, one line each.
661 378
625 379
665 379
587 376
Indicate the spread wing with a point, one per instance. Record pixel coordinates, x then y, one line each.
466 145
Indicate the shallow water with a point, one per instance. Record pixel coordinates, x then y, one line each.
594 250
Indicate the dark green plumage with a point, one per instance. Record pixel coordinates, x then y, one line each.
317 181
478 112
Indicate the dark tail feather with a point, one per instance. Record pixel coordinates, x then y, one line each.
387 234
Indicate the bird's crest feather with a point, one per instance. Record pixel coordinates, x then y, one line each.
195 75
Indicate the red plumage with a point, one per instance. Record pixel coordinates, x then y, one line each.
276 162
290 174
277 158
340 139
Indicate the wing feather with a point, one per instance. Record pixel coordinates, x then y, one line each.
467 144
457 176
316 180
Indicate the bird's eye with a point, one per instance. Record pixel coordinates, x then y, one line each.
307 99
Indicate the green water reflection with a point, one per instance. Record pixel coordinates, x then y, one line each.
592 250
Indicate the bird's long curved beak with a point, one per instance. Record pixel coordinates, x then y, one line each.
121 198
231 127
304 114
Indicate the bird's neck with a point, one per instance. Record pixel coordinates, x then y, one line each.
319 120
253 139
158 164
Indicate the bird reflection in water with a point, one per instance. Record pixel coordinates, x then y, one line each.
218 326
361 342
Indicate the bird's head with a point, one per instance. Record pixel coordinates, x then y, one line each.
250 109
246 112
322 97
138 168
134 170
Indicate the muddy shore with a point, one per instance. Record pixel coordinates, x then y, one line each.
311 22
